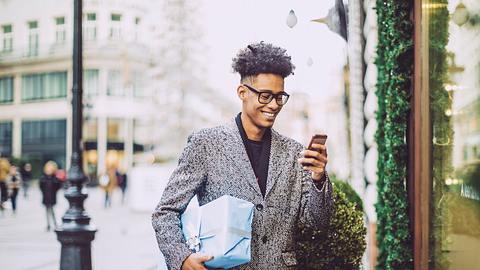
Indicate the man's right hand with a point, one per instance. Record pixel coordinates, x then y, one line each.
195 262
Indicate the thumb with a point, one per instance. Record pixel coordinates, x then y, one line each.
205 258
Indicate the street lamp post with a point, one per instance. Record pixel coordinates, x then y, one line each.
76 233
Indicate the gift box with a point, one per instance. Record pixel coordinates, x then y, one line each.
221 228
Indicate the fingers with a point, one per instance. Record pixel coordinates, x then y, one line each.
314 153
320 162
198 265
309 154
195 262
318 148
204 258
313 160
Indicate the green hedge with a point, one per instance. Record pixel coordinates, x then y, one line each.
342 244
395 69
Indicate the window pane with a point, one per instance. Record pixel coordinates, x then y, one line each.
91 17
60 20
6 89
33 25
33 41
44 85
7 28
138 84
5 139
116 17
45 139
454 86
90 83
114 86
115 130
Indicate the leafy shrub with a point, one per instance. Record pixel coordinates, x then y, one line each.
342 244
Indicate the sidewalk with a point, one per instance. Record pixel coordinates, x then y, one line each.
124 240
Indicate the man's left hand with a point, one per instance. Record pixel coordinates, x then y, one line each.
314 160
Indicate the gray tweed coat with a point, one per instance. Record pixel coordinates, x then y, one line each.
215 163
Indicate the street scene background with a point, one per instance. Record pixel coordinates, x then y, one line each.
154 71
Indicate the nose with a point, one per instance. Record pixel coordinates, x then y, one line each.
273 105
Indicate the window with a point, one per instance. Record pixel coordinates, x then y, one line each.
44 86
90 129
7 38
45 139
138 84
90 82
45 131
114 83
116 20
32 38
90 27
6 89
5 139
116 17
453 88
115 130
60 33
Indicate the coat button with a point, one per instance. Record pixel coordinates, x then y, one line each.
259 207
264 239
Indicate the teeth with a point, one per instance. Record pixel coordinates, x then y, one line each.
269 114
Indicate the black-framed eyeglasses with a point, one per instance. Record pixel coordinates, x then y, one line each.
265 97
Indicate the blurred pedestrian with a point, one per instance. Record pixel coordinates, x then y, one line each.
4 171
108 182
122 183
49 185
26 173
14 181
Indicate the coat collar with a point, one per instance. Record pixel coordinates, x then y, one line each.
238 154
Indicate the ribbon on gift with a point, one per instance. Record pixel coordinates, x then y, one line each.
194 241
232 230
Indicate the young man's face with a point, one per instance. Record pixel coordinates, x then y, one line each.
258 114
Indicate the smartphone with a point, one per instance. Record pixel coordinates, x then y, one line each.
317 139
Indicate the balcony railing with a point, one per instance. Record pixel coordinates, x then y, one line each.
35 52
42 51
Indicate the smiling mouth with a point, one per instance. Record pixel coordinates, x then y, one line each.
269 115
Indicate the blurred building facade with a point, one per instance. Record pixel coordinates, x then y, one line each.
128 108
36 78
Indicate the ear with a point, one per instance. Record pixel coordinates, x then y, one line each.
241 92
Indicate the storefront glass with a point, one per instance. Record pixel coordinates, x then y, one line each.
452 30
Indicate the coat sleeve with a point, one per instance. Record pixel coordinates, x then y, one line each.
186 179
316 201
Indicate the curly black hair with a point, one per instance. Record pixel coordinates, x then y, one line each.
262 57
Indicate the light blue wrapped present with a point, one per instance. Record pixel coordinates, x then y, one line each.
221 228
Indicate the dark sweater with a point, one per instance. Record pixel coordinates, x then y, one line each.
258 153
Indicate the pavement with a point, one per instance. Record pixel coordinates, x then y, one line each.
124 240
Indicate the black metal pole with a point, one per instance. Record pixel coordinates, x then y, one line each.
76 233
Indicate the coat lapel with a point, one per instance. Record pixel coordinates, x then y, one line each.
275 165
238 155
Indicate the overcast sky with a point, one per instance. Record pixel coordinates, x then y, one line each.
231 25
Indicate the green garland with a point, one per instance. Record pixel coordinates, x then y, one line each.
442 133
395 67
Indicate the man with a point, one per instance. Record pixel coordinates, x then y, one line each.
248 160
